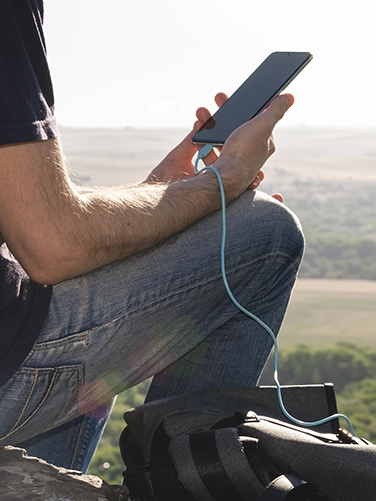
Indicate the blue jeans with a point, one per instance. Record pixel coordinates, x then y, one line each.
164 313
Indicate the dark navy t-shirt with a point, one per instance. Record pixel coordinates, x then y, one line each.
26 114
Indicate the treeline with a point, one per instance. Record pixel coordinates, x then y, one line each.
350 368
340 230
340 364
333 256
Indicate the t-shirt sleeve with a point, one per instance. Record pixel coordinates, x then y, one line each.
26 114
26 93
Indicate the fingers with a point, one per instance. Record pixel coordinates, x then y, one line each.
257 181
211 157
220 99
186 149
274 112
278 197
278 107
203 115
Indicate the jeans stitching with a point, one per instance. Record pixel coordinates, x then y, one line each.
276 256
24 407
48 391
78 337
75 454
280 256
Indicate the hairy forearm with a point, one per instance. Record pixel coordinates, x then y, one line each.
118 222
58 230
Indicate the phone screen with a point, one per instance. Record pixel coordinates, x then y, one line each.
265 83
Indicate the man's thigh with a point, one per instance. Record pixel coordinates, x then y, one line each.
110 329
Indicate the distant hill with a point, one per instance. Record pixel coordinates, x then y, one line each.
121 156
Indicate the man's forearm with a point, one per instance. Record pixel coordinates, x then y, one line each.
116 223
58 231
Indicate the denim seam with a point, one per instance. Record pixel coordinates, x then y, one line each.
79 336
82 336
277 256
78 444
24 408
15 427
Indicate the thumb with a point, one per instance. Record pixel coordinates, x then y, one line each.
278 107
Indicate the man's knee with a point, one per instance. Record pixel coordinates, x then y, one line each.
284 224
269 224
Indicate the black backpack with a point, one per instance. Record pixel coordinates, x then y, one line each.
236 445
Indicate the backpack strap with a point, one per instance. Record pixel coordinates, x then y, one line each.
215 476
289 487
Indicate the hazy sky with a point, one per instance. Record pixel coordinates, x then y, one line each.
153 62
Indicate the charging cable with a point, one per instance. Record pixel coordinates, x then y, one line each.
200 156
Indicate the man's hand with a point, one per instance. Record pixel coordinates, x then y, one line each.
248 148
178 164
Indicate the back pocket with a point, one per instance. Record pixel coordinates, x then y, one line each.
36 400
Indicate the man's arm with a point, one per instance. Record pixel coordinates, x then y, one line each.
57 232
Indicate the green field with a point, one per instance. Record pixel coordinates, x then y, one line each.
326 312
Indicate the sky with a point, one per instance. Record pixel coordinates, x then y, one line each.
151 63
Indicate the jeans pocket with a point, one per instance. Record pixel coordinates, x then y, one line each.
35 400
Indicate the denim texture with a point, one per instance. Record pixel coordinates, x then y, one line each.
163 312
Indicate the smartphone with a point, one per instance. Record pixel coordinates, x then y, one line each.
252 97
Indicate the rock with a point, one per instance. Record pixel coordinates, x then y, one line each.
26 478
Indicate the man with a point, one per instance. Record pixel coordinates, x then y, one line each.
101 289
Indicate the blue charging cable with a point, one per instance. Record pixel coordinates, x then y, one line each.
200 156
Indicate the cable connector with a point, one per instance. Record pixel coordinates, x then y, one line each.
204 152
